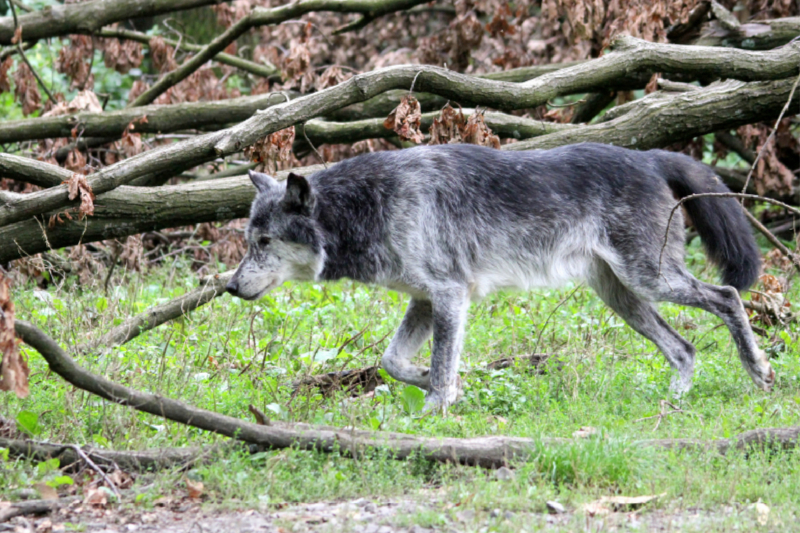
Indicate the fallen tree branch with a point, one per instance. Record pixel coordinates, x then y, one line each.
260 16
652 124
168 118
88 17
34 507
488 452
132 460
212 286
129 210
322 131
263 70
632 55
758 35
658 121
29 170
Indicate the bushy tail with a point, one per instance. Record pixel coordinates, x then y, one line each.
720 222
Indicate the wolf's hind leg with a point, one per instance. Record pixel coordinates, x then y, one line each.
643 317
449 319
415 329
683 288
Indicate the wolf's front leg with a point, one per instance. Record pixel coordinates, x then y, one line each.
415 329
449 319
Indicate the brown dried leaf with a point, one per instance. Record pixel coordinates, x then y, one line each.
331 77
447 127
13 367
75 161
163 55
121 479
75 60
83 101
195 488
122 55
297 70
776 259
405 120
652 85
499 25
76 185
95 496
138 88
26 89
7 63
46 491
272 149
477 132
17 38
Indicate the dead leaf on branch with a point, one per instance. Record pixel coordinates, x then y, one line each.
26 89
77 185
122 55
163 55
405 120
331 77
13 367
7 63
446 128
477 132
75 61
83 101
453 127
273 148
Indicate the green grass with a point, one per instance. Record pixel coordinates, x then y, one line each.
232 353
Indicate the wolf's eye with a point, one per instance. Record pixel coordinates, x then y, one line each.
264 240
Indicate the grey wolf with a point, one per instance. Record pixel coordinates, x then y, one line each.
450 224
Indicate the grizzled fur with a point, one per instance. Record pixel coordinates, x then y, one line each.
450 224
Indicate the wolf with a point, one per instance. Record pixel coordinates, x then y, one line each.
449 224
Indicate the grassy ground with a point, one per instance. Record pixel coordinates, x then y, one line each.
232 353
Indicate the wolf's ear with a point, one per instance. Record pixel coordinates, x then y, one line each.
263 182
298 194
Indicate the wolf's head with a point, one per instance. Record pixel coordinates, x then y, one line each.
283 240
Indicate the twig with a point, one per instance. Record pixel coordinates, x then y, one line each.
322 159
662 414
771 135
21 53
773 239
98 470
264 17
750 217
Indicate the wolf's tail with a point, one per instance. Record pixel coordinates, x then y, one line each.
720 222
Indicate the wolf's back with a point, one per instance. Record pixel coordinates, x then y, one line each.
720 222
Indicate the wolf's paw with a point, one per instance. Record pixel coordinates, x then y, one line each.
766 380
679 386
763 375
437 402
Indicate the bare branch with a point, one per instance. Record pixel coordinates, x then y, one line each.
265 70
489 452
265 17
88 17
211 287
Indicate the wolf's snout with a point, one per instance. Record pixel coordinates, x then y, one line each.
233 287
